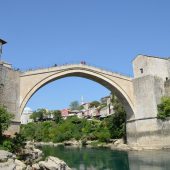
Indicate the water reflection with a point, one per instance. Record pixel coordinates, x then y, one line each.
149 160
106 159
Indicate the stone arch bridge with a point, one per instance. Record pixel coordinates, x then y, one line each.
139 94
31 81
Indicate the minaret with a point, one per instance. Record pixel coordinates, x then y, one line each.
82 100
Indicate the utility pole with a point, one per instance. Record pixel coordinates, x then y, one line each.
2 42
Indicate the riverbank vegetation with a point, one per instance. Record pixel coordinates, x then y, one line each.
164 108
6 142
60 130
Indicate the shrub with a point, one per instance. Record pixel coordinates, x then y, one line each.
5 119
8 145
18 142
164 108
103 135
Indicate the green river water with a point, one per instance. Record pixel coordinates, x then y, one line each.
106 159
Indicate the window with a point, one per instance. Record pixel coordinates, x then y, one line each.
141 70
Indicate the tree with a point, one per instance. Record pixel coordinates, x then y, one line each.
116 122
74 105
56 115
164 108
5 119
34 116
42 113
39 115
94 104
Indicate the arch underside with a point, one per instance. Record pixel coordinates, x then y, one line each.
105 81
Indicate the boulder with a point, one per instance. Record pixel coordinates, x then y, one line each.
7 160
19 165
118 142
29 168
72 143
5 155
8 165
35 166
53 163
31 153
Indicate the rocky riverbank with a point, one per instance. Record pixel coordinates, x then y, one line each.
30 160
114 144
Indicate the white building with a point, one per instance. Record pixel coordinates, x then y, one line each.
25 117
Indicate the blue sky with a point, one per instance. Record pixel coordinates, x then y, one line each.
107 34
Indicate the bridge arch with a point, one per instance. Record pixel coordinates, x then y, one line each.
121 86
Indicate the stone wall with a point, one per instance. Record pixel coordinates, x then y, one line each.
149 87
147 93
9 94
155 66
167 88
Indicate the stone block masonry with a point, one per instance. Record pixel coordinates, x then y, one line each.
9 94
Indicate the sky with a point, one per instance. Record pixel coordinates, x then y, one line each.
108 34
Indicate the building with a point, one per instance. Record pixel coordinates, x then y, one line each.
25 117
64 113
68 113
108 109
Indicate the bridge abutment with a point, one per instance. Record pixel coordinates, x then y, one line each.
10 93
151 75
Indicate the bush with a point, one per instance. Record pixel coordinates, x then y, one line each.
5 119
8 145
103 135
18 142
75 128
164 108
59 138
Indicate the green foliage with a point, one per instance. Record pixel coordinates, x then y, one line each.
94 104
74 105
72 128
75 128
40 131
81 107
14 144
40 115
33 116
18 142
5 119
164 108
57 115
8 145
103 135
116 122
101 106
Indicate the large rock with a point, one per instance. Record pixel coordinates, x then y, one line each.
53 163
8 165
7 160
5 155
36 166
72 143
32 154
20 165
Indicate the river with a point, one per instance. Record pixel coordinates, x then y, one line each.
106 159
